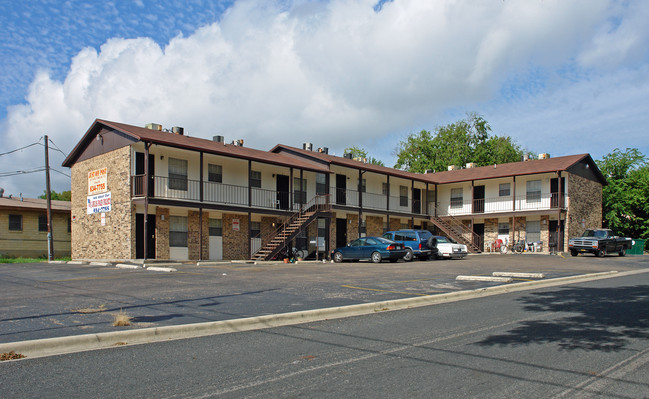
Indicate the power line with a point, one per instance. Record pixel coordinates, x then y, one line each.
22 148
57 148
21 172
58 171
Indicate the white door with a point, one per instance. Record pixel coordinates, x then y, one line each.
216 248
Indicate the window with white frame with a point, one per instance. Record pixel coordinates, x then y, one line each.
533 190
322 228
214 173
363 186
320 183
299 190
255 179
503 228
255 229
178 231
216 227
178 174
533 231
457 197
384 188
403 196
504 190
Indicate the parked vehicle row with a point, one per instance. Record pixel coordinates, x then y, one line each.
599 242
400 244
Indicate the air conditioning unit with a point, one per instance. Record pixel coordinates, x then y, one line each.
544 155
154 126
178 130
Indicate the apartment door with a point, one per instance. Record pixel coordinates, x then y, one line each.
341 188
341 232
556 231
416 200
554 189
139 236
283 191
139 170
478 199
478 239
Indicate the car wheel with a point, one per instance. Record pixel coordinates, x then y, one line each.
574 253
431 243
376 257
622 252
338 257
408 256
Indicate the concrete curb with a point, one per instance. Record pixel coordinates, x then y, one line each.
100 264
518 275
86 342
161 269
485 278
127 266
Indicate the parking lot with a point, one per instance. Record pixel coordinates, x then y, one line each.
52 300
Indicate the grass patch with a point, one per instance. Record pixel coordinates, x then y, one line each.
11 356
18 259
121 319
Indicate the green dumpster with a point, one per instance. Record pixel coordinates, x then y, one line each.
637 248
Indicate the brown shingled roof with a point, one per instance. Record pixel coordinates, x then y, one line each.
515 169
33 204
351 163
194 143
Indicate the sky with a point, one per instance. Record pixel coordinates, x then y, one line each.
559 77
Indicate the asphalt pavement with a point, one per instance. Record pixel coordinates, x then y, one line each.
44 300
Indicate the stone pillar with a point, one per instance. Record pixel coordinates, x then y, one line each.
162 233
235 243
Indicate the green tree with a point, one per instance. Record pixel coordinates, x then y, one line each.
467 140
625 200
62 196
358 152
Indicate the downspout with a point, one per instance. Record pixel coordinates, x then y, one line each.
387 200
360 201
200 210
146 198
249 205
412 204
559 233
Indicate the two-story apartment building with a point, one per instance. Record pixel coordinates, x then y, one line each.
205 199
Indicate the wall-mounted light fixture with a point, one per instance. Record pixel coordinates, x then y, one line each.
162 157
100 138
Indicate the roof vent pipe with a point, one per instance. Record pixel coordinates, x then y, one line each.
2 191
347 155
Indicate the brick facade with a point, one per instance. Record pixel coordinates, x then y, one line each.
374 225
352 227
235 243
115 240
162 233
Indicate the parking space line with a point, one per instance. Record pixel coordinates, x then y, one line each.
109 277
380 290
419 279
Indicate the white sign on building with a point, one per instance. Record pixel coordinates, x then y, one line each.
99 203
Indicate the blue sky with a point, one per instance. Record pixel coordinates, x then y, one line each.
559 77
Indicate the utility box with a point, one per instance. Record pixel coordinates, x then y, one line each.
637 248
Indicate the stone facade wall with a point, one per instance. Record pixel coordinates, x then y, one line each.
374 225
490 231
545 232
235 243
352 227
162 233
519 229
584 206
193 235
395 224
115 240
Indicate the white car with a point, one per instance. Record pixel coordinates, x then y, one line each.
449 249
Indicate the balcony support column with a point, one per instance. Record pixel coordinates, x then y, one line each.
559 233
200 209
290 189
249 205
360 200
435 199
302 199
514 193
412 204
146 197
387 199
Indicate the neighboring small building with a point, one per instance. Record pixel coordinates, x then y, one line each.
145 192
23 227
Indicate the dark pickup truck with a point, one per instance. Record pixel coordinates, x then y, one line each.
599 242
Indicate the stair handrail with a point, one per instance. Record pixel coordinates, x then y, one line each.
458 226
319 203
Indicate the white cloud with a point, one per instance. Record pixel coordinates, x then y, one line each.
339 73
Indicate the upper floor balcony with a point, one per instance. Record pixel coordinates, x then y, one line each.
501 204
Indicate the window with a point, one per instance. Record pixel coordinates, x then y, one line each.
363 186
403 196
533 231
457 197
214 173
322 229
178 231
255 229
255 179
16 222
320 183
503 190
503 228
42 222
534 190
384 189
299 190
178 174
216 227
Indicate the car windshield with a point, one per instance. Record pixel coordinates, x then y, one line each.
442 240
383 240
595 233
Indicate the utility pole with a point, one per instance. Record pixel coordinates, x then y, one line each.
50 246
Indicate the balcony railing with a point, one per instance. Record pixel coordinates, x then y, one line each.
229 194
509 203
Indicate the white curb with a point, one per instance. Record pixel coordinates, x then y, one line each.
161 269
518 275
485 278
127 266
100 264
77 262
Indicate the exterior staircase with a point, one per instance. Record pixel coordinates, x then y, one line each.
457 231
295 225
